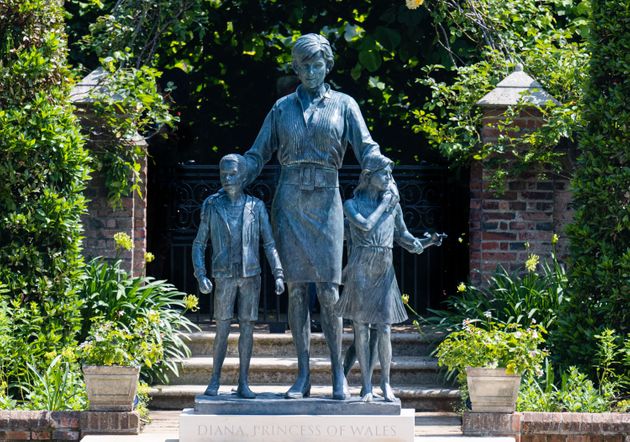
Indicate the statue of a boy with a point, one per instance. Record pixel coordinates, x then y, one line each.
234 222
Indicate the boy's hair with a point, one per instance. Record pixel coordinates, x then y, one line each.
307 46
235 158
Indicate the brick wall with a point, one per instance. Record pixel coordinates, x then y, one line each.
102 221
64 425
506 228
550 427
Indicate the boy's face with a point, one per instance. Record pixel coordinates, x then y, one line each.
231 178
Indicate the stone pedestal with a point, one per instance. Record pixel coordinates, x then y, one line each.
272 418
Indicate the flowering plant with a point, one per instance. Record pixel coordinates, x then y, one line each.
109 343
508 346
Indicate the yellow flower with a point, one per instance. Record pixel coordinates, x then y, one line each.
68 354
405 299
149 257
123 241
414 4
554 239
461 287
532 262
191 302
154 317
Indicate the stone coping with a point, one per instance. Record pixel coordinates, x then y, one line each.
550 427
65 425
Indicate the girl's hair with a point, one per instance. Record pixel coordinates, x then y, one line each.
309 45
371 165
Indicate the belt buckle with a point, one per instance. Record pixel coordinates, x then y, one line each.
307 178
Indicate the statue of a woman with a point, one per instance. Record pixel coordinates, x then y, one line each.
309 130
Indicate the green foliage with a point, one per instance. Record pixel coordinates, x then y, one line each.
43 167
508 346
576 392
222 54
600 233
112 295
509 297
526 32
127 107
111 343
59 387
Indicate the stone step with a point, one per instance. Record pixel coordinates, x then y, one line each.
407 343
420 397
405 370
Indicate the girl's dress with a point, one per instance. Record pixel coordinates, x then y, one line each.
371 294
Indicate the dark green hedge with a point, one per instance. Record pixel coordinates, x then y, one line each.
600 234
42 174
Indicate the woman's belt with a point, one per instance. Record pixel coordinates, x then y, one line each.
309 176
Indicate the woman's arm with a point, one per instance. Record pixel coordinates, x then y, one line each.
262 149
361 222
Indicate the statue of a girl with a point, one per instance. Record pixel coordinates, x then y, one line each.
371 296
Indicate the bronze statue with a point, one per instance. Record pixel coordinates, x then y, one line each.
309 131
234 223
371 298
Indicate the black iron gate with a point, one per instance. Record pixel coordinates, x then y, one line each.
423 197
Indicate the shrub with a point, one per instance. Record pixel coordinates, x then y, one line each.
111 294
600 234
507 346
111 343
43 169
576 392
523 298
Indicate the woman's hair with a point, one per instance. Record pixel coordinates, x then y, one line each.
371 165
309 45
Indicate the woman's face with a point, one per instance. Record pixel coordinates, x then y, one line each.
380 179
312 71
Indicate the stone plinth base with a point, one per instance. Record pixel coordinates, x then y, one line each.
275 404
195 427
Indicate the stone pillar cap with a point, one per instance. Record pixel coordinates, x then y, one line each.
93 82
516 88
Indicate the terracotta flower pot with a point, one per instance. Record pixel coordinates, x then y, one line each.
492 389
111 388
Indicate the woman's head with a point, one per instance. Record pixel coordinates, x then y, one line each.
310 45
312 59
376 173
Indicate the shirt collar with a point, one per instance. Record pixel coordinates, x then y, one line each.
324 93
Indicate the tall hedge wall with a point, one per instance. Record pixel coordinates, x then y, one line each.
600 235
43 167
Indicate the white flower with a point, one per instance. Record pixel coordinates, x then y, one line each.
487 314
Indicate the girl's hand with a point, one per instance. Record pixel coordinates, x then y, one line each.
390 200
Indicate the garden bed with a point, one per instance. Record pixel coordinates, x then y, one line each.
550 427
65 425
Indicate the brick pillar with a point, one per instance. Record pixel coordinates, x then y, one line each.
102 221
506 228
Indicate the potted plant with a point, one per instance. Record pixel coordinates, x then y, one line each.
111 359
490 361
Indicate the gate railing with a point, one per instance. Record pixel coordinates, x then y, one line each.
422 197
